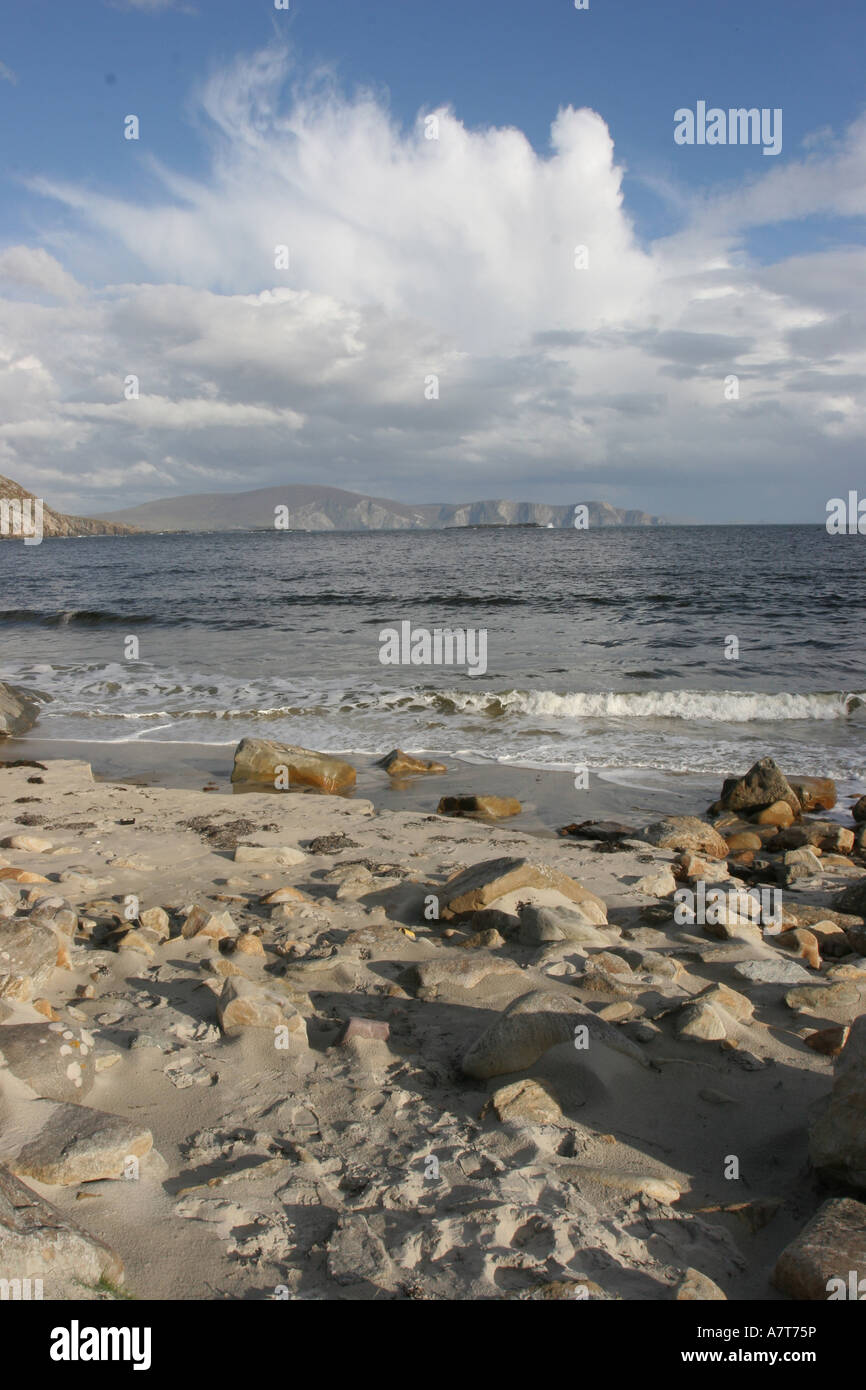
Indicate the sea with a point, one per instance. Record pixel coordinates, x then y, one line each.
676 649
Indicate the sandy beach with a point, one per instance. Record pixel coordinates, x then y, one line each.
342 1047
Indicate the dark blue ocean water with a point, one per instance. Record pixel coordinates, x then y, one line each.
605 648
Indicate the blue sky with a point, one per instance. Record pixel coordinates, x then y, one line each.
81 67
242 133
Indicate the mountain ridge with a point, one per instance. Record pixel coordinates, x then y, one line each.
314 508
59 523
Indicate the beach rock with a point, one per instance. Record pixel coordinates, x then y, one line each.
660 884
820 999
763 785
365 1028
524 1102
215 925
837 1139
858 810
778 813
39 1242
827 1248
695 868
806 915
625 1184
820 834
32 844
56 1062
530 1026
802 943
701 1020
539 925
248 944
730 1000
814 793
131 939
76 1144
832 939
19 709
54 912
245 1004
28 955
479 807
156 919
743 840
852 899
797 864
472 889
772 972
21 876
686 833
694 1286
465 972
284 895
828 1041
487 939
608 831
260 760
400 764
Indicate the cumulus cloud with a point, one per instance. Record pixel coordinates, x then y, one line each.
33 267
562 373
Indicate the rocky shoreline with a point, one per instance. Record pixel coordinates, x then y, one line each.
267 1047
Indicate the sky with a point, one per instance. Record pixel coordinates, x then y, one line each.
434 250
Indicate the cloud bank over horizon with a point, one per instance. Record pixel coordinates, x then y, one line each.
561 376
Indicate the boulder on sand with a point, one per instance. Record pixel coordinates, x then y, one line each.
39 1242
837 1140
686 833
830 1245
19 709
763 784
261 761
530 1026
472 889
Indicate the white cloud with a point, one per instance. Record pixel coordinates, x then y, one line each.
35 268
410 257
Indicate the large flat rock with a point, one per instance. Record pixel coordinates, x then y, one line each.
38 1242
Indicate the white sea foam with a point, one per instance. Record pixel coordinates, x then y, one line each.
720 706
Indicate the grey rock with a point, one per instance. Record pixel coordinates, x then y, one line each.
39 1242
76 1144
542 924
28 954
773 972
837 1141
56 1061
534 1023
